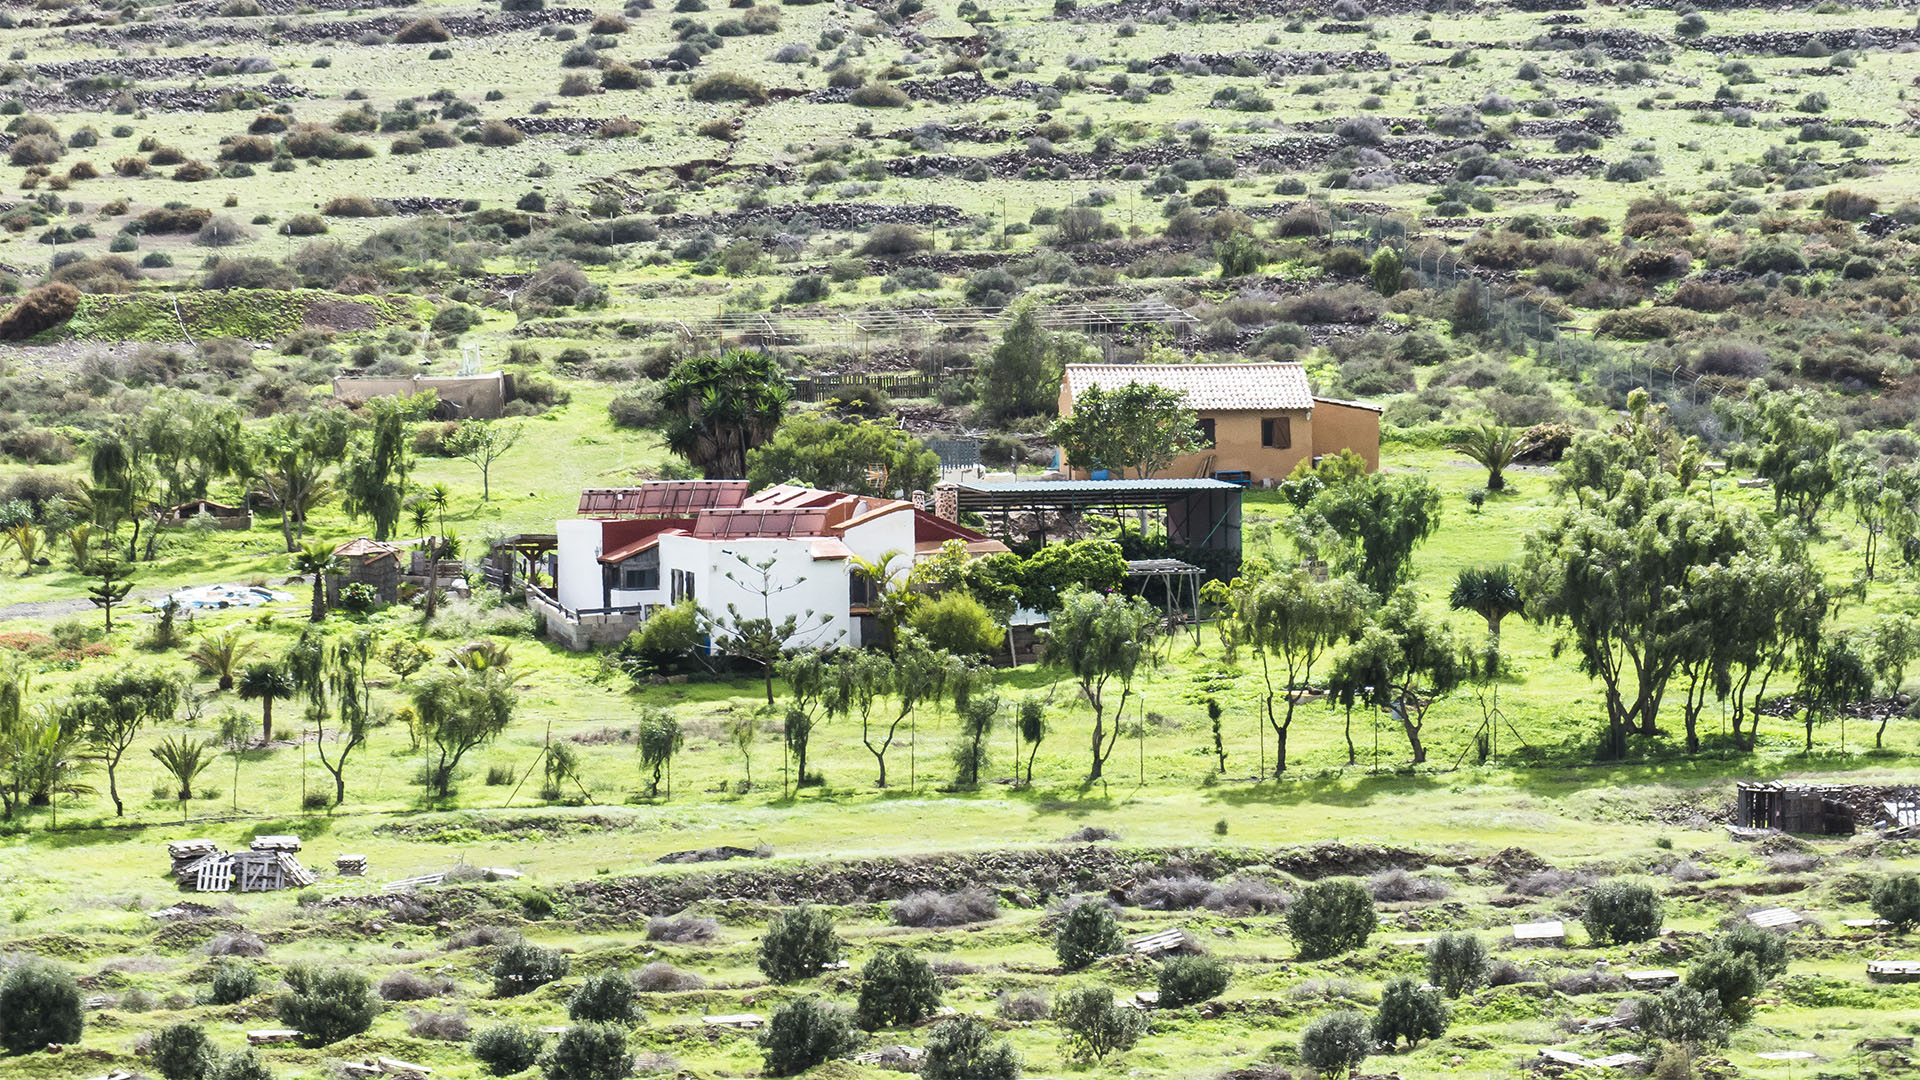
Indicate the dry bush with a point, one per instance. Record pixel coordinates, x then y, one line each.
928 908
129 167
248 148
166 155
1087 834
1170 892
406 986
82 170
420 32
195 171
1792 862
664 978
1595 980
478 936
1247 896
500 133
1688 870
683 930
35 150
351 206
1025 1005
242 944
1547 882
1397 885
41 309
444 1026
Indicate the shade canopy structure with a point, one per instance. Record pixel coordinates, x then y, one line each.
1201 515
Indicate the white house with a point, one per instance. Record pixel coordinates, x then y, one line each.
783 551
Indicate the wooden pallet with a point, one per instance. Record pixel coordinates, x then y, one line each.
293 874
1162 943
258 873
276 843
214 875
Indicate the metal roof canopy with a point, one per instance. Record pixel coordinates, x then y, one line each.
1200 513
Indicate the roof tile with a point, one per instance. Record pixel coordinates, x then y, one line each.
1207 386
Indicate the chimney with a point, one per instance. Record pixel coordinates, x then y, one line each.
946 501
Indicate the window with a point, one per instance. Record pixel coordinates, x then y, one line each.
1205 427
1276 432
635 578
682 582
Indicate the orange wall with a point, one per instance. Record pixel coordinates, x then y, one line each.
1338 427
1236 434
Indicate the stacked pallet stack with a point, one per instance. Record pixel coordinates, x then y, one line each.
351 865
269 865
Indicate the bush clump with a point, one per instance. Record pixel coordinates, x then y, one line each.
928 908
232 982
181 1052
327 1006
1682 1014
897 987
727 86
798 945
605 998
1409 1011
422 31
1336 1043
1331 917
1457 963
40 310
964 1048
1096 1025
1896 898
590 1052
1189 980
1619 912
522 968
506 1049
1088 933
806 1033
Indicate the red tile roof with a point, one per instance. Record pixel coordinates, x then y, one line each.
1208 387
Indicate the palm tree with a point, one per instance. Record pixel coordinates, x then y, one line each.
1493 448
220 655
266 683
1489 592
22 535
320 561
722 407
184 760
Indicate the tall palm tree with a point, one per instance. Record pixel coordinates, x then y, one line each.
1490 592
722 407
221 654
266 683
320 561
1492 447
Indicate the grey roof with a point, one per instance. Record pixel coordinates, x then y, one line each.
1074 487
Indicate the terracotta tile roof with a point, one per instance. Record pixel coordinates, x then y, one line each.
1207 386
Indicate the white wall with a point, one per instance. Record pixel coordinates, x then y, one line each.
579 563
888 532
803 584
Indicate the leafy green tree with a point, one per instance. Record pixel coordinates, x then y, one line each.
1731 978
1492 447
1409 1011
42 755
956 622
856 681
798 944
1457 962
978 710
1884 496
1101 640
1087 932
1334 1044
1021 376
181 1052
457 711
660 739
1137 426
121 485
1738 623
1619 912
1491 592
1044 578
325 1006
1331 917
805 1033
1292 620
809 679
1189 980
590 1052
1896 898
345 663
1032 719
1789 444
1385 269
963 1048
375 475
266 683
860 457
1890 644
289 457
897 988
39 1007
190 441
1832 676
1378 519
1681 1014
506 1049
1403 661
720 407
605 997
483 442
111 710
1097 1026
521 968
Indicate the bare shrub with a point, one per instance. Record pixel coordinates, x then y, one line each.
1792 862
928 908
1547 883
1247 896
406 986
445 1026
1688 870
1170 892
421 31
683 930
1087 834
1025 1005
663 978
483 935
1507 973
241 944
42 309
1397 885
1595 980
